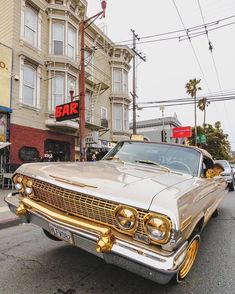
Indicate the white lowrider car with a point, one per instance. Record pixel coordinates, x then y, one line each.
142 207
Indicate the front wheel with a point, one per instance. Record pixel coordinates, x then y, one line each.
190 258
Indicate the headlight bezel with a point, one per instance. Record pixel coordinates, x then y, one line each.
25 182
165 221
134 212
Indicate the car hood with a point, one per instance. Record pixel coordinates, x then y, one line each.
126 183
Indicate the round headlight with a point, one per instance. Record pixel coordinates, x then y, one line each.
28 191
157 228
18 186
126 217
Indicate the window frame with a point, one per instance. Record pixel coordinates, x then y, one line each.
115 119
29 8
72 28
54 23
121 85
34 68
58 74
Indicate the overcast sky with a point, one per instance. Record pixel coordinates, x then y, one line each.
170 64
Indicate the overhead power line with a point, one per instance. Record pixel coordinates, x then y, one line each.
192 32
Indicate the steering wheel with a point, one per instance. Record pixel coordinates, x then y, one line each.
182 165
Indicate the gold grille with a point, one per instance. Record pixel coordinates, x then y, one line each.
81 204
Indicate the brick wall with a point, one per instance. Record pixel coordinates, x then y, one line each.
21 136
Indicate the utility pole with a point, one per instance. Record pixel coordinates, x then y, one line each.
135 37
83 25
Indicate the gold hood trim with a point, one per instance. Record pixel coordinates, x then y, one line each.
83 185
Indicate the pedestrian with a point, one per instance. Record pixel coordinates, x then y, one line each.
93 158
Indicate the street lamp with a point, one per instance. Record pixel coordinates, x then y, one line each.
83 25
71 91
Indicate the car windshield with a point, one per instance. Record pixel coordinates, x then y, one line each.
164 156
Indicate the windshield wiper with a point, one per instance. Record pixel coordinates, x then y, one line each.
154 163
113 157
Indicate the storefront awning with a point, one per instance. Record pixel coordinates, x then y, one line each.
4 144
5 109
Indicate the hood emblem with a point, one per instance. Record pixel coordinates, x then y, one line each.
72 182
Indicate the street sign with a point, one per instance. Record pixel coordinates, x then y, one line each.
182 132
201 138
67 111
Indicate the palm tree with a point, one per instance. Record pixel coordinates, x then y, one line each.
202 104
191 89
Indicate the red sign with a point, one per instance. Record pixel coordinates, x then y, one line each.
182 132
67 111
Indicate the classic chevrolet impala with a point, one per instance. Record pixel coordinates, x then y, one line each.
142 207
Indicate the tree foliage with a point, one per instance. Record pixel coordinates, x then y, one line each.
217 143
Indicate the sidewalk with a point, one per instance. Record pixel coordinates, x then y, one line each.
7 218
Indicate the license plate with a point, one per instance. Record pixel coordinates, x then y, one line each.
60 233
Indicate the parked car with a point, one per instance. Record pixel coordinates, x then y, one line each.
233 167
142 207
228 173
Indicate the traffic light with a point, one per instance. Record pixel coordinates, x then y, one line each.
164 135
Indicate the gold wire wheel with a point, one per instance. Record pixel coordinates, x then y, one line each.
190 258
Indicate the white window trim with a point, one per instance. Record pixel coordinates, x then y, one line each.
67 25
55 21
75 41
51 101
37 93
124 126
106 112
123 71
114 118
39 25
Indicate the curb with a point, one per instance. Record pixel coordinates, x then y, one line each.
10 222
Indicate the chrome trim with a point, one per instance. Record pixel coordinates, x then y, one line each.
150 262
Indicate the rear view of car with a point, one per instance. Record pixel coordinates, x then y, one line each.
228 173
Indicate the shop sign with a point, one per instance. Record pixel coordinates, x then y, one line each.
182 132
92 137
5 75
67 111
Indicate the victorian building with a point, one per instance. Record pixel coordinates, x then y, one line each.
44 38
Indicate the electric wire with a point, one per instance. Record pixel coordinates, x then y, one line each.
194 52
213 59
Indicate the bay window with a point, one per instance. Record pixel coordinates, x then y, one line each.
118 117
58 89
71 42
120 80
117 80
63 39
58 38
61 84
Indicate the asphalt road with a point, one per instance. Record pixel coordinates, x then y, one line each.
30 263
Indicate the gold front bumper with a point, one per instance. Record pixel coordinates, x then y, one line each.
105 239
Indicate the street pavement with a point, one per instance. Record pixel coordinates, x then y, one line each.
7 218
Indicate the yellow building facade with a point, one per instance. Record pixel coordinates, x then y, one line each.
44 39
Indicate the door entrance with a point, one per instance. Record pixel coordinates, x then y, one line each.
59 149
